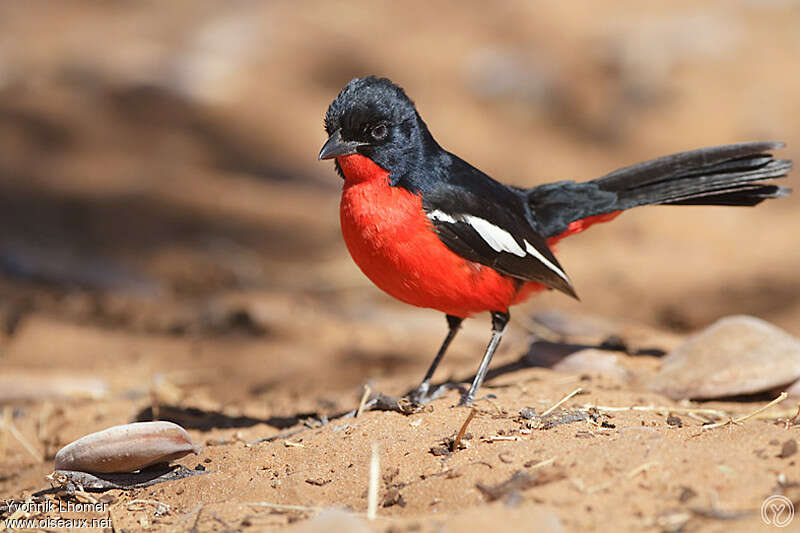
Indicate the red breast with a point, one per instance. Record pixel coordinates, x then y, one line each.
394 244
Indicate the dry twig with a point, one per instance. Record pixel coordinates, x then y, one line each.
660 409
543 463
374 474
463 430
782 396
363 402
792 421
561 402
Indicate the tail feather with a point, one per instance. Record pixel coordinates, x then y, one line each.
744 196
733 174
686 163
702 183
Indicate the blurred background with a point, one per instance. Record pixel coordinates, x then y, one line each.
161 205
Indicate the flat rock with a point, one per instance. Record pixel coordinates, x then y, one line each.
736 355
594 362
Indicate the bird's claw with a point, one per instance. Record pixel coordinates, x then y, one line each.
424 394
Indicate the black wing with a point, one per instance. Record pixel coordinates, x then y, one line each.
487 222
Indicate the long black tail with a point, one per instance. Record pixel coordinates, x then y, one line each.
733 174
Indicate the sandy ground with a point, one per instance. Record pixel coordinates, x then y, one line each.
165 228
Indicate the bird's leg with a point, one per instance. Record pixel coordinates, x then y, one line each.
499 323
421 392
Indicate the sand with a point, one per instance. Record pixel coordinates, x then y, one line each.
179 242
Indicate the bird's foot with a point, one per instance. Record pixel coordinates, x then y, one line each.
425 394
468 399
420 394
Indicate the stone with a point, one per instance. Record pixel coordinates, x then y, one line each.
594 362
737 355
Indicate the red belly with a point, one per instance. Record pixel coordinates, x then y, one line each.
394 244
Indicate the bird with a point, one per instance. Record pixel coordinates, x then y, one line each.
433 231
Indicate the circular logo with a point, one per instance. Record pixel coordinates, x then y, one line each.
777 511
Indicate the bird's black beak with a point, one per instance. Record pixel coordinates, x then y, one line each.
336 146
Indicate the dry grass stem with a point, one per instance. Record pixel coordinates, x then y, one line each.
782 396
660 409
363 402
695 416
789 422
463 430
561 402
546 462
796 416
374 474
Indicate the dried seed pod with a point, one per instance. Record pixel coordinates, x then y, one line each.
126 448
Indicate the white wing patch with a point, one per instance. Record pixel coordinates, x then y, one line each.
499 239
442 216
535 253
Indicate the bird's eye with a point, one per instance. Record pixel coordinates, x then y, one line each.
379 132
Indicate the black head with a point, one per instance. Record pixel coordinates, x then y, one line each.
374 117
